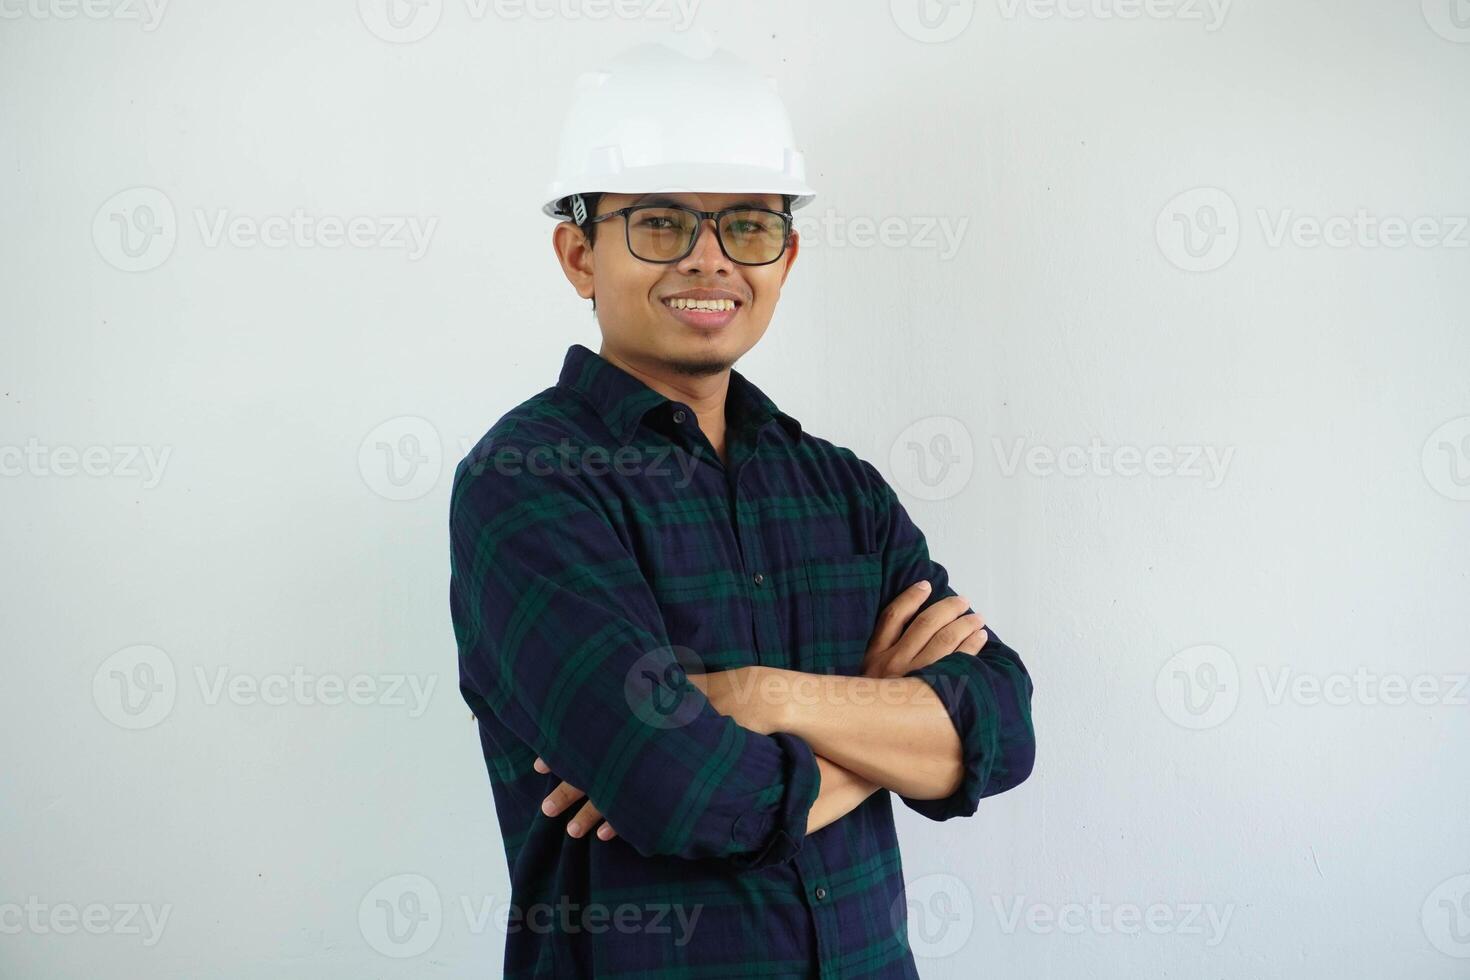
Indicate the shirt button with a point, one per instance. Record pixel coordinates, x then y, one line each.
821 893
679 415
758 578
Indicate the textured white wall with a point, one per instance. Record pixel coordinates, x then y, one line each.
1249 656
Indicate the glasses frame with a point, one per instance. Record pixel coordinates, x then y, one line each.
715 216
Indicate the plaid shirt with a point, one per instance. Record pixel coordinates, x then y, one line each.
598 547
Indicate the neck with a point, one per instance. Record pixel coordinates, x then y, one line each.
702 386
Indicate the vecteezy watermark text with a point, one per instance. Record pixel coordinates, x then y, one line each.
407 232
1211 13
137 229
1125 918
1207 463
402 916
148 13
40 460
95 918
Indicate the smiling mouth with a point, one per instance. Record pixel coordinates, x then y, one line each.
710 315
702 305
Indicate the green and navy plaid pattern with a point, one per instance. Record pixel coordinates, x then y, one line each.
599 550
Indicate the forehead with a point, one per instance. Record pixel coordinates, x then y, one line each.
704 202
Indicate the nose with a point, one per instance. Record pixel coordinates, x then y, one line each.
706 253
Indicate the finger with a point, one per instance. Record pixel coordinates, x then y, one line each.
560 798
897 613
974 642
925 626
976 622
584 820
950 636
606 832
944 642
540 765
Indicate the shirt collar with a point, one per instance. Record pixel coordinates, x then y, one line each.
622 400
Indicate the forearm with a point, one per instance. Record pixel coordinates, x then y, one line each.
893 732
841 792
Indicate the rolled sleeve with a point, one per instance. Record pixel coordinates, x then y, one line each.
987 695
988 698
765 837
560 635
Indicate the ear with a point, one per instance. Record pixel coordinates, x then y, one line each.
576 257
792 247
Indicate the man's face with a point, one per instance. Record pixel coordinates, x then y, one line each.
633 309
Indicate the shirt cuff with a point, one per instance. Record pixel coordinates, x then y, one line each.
768 837
958 680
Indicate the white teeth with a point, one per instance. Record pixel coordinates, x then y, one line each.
701 304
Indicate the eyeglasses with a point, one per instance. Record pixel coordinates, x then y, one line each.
667 232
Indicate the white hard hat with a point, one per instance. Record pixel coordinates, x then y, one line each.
658 118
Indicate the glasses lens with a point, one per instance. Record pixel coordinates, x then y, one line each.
663 234
659 234
753 237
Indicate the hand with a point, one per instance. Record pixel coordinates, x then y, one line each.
938 631
564 796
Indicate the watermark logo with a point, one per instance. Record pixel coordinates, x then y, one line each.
401 459
135 688
1201 686
1450 19
658 690
1199 230
401 916
933 458
1198 687
932 21
1446 917
1446 459
400 21
938 913
136 229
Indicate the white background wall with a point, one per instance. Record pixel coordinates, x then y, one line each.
1250 699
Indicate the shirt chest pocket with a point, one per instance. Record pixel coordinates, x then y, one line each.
835 609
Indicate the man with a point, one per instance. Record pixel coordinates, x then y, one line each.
705 648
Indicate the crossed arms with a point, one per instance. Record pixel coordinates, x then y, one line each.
879 730
552 616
